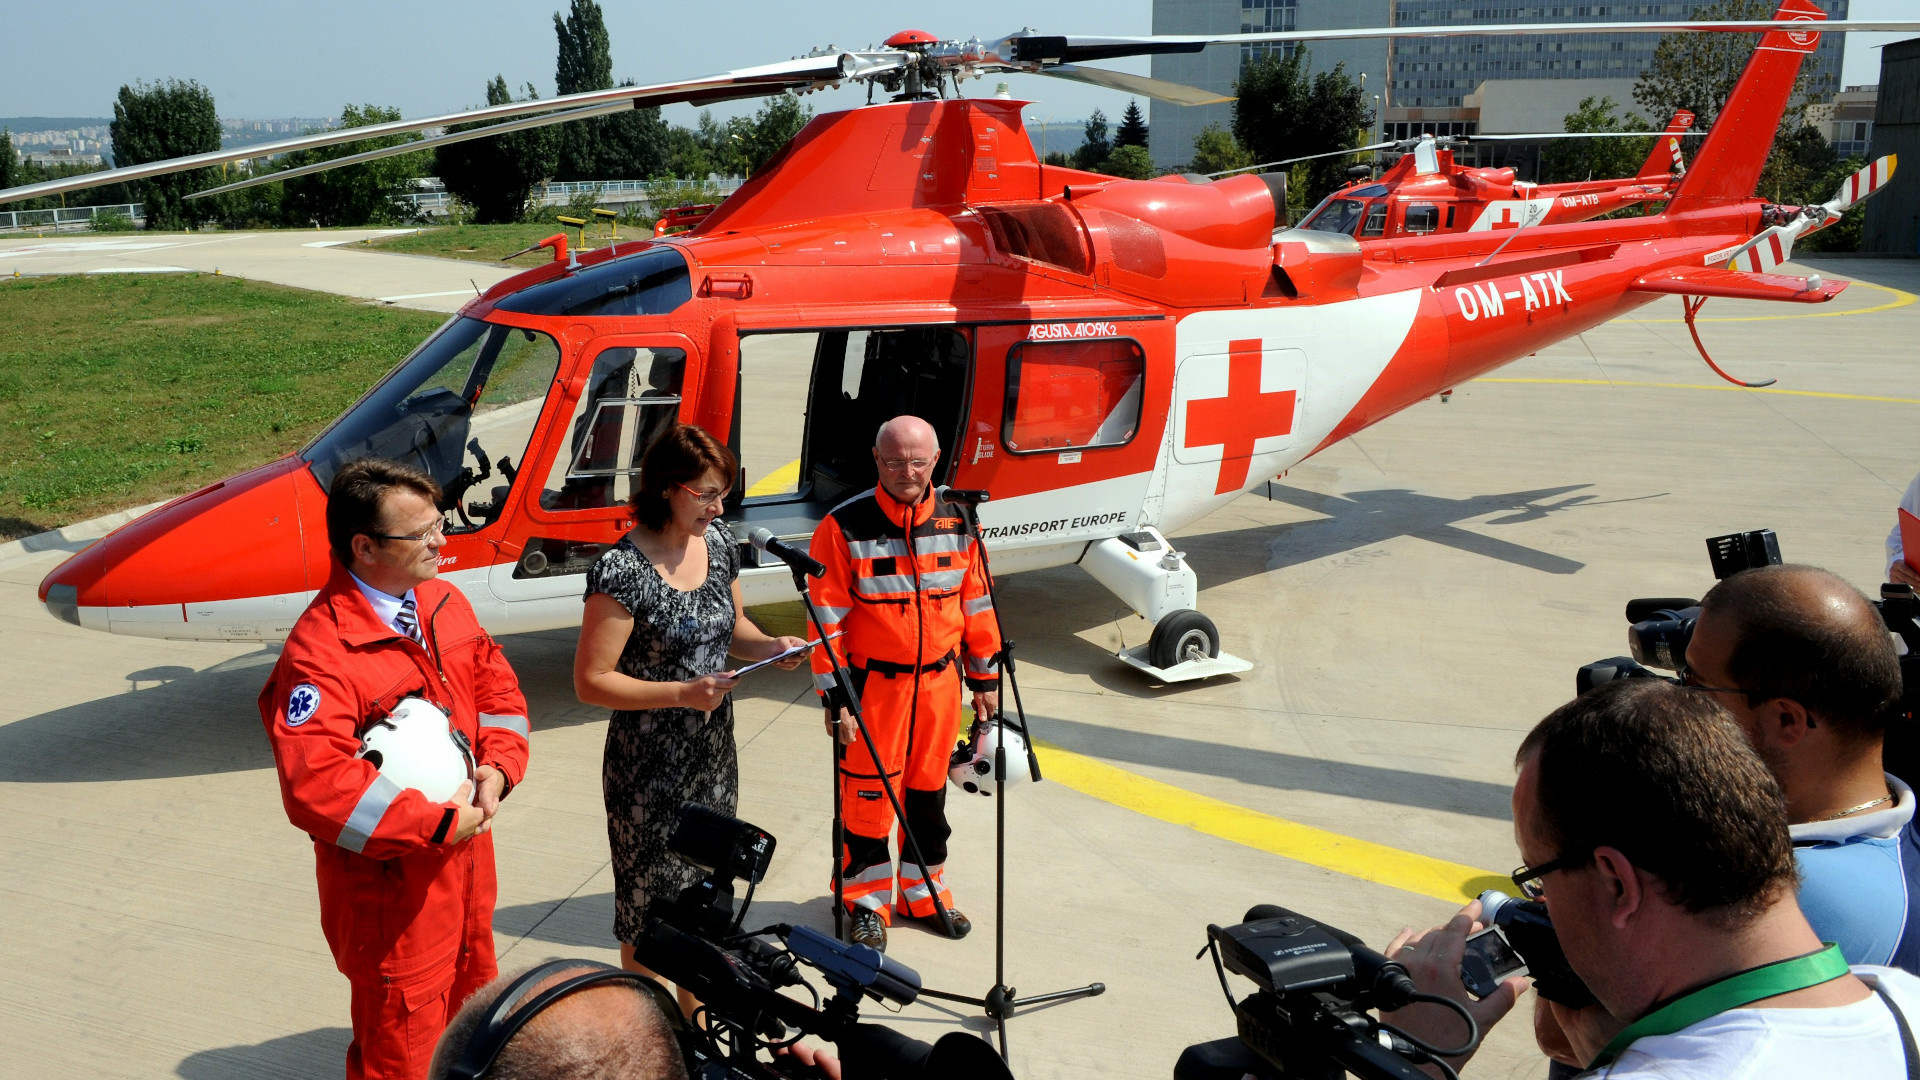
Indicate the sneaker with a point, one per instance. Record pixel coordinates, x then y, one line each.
962 926
868 929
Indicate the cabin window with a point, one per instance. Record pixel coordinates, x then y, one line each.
1336 216
1376 224
652 281
1450 209
462 409
1065 395
1422 218
632 396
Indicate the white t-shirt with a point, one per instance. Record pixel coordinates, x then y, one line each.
1854 1042
1910 502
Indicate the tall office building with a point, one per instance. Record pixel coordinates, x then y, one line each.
1448 85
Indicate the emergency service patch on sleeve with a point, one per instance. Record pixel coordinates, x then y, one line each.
302 704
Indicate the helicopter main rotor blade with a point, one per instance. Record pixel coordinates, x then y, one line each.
1158 89
1579 135
1073 48
1310 157
806 71
417 144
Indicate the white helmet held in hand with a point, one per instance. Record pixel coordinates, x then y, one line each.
972 763
417 748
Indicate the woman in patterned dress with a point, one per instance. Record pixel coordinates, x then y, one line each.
663 612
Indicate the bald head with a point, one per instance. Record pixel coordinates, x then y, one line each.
613 1031
900 443
1801 632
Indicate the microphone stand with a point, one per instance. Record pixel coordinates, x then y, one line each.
1002 1001
844 691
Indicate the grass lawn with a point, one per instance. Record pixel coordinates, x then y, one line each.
488 243
119 389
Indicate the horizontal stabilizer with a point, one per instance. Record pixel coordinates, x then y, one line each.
1711 281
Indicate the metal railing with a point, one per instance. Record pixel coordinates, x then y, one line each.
74 218
434 199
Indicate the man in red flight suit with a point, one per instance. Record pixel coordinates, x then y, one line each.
905 581
406 885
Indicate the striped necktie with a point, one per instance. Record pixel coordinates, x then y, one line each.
406 621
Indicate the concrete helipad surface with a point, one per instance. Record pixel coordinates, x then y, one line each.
1415 598
329 260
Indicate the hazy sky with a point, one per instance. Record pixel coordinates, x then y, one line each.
271 58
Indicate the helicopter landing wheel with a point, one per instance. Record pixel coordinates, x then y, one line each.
1181 636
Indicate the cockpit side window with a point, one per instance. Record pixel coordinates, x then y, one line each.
462 409
1336 216
1376 223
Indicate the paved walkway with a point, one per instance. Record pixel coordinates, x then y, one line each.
327 260
1414 598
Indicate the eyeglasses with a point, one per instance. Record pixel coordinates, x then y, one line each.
894 464
1692 681
438 528
706 496
1529 879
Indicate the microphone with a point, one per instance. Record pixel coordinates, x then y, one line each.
792 556
970 496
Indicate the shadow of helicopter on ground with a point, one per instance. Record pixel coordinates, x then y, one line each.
316 1054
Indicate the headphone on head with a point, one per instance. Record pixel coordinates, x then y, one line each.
503 1020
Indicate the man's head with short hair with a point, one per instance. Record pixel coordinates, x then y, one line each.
384 523
899 443
1802 634
1663 774
1667 833
614 1031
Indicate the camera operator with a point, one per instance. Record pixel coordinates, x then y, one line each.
1657 838
1897 569
1808 670
610 1031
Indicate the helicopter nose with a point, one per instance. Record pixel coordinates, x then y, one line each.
227 562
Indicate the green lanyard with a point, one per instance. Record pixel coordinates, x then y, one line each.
1780 977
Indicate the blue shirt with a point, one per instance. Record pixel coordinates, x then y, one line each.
385 605
1860 882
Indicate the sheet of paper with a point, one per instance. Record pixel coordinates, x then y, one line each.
758 664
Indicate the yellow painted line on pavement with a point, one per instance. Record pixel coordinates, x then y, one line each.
1347 855
1901 298
784 478
1710 386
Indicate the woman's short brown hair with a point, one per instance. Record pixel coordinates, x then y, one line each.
682 454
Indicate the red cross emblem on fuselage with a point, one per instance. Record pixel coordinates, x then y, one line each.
1244 415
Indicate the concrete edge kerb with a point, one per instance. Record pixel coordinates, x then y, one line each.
71 539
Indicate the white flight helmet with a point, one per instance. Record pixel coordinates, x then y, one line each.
417 748
972 762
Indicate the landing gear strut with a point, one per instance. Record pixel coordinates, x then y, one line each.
1144 571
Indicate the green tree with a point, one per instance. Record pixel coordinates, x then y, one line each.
1093 152
9 161
1217 151
585 63
772 128
1698 71
1133 128
496 176
1129 163
366 194
1282 112
1568 160
166 120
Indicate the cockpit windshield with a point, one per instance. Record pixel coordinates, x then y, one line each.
462 406
1336 216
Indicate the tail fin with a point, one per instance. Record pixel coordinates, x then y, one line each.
1728 166
1665 159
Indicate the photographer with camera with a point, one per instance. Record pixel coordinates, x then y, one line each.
1806 666
1657 839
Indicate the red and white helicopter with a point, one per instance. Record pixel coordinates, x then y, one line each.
1112 359
1427 191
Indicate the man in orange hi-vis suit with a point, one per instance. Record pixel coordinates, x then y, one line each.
906 583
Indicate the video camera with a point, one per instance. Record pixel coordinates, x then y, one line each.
694 940
1308 1018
